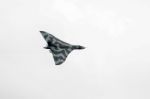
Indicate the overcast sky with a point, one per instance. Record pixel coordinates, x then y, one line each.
114 65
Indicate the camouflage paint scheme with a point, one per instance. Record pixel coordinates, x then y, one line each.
58 48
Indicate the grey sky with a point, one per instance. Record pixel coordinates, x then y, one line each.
115 64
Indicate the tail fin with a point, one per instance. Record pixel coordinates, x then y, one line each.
78 47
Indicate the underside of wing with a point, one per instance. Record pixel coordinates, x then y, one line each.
60 54
53 40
